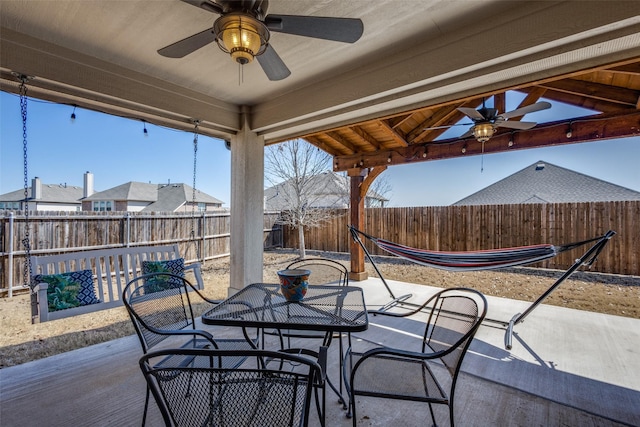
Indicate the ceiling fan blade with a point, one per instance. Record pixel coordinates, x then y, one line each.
467 134
184 47
447 126
528 109
516 125
272 64
206 5
347 30
474 114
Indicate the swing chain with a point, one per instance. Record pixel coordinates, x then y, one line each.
26 239
196 122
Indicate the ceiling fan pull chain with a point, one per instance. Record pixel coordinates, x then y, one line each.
482 159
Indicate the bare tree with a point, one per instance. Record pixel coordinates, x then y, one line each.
379 193
293 169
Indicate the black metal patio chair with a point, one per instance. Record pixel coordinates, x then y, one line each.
426 374
207 391
159 305
324 271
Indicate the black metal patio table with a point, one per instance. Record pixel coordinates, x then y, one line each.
324 308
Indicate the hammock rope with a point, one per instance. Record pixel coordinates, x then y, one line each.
484 260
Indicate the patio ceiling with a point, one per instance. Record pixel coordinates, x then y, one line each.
366 103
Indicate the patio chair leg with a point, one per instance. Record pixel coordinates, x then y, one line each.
146 407
352 412
451 423
433 417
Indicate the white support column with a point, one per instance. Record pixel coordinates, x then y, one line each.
247 195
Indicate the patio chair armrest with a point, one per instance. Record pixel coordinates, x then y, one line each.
389 351
199 332
198 292
382 311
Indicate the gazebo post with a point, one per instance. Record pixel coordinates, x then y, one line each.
361 180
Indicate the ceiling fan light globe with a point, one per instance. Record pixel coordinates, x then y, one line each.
243 37
483 131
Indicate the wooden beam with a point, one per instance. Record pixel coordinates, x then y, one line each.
444 116
584 129
357 197
394 122
633 69
584 102
363 136
500 102
335 136
532 97
371 176
395 135
315 140
622 96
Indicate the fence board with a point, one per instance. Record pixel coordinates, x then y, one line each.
465 228
58 232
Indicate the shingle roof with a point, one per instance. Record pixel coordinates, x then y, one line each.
543 182
51 193
161 197
326 190
131 191
171 196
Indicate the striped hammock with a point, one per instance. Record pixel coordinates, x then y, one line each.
483 260
470 260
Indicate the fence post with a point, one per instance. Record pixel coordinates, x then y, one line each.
128 230
10 258
203 252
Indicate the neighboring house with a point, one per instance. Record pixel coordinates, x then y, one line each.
544 182
48 197
141 197
325 190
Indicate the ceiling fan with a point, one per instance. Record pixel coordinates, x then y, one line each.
487 120
243 30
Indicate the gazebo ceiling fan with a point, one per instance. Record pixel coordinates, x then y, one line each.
243 31
487 120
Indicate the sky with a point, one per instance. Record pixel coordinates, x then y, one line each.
116 151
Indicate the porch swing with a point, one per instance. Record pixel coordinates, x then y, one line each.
483 260
73 283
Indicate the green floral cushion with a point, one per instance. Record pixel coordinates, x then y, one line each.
158 283
67 290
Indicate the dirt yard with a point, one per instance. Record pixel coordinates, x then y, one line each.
21 341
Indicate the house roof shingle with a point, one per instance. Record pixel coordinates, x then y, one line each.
543 182
326 190
51 193
161 197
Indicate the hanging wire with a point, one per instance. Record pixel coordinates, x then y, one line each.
26 240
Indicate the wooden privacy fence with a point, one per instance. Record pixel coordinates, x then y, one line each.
465 228
60 232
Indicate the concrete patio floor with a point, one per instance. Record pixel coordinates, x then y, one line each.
566 368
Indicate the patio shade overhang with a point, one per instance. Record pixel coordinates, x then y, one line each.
415 63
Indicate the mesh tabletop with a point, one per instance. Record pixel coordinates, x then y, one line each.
324 308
